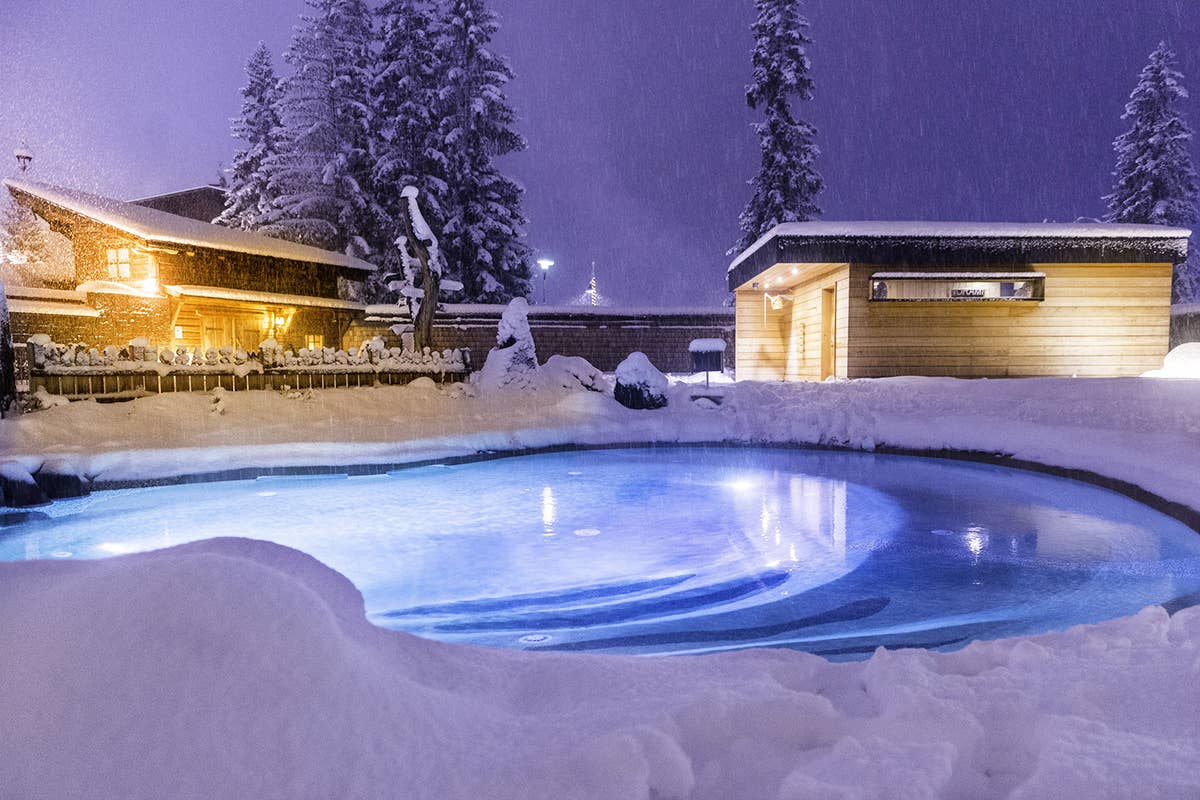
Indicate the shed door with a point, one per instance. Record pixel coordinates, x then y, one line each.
828 332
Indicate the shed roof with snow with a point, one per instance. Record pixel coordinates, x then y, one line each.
964 244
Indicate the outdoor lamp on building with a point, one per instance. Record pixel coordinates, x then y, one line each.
24 157
545 264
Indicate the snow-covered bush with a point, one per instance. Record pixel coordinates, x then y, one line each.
1182 362
639 383
512 363
572 372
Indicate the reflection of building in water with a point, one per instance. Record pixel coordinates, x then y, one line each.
805 524
549 511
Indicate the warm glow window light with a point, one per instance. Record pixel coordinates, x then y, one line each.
118 263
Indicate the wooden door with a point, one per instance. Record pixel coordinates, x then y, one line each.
828 332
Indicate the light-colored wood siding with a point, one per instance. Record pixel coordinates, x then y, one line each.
785 344
761 345
1096 320
804 349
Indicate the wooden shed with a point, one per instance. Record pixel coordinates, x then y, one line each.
182 282
816 300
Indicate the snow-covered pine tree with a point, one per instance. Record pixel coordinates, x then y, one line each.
482 225
248 201
30 253
1155 178
403 94
320 176
787 183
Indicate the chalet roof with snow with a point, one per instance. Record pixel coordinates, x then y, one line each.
157 226
961 244
204 203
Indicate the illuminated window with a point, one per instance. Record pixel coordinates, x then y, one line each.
314 341
118 263
957 286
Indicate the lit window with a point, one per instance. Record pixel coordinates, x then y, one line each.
118 263
957 286
314 341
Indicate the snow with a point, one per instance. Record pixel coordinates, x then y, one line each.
388 311
636 370
22 306
159 226
230 668
512 363
117 287
706 346
869 229
269 298
1182 362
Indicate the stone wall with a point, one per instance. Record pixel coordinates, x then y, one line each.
604 336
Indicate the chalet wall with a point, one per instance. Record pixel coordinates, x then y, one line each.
121 318
1096 320
231 270
603 339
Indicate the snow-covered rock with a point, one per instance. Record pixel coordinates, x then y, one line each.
512 363
572 372
639 383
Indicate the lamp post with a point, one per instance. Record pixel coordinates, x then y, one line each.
545 264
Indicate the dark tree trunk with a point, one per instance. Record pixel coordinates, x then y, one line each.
423 322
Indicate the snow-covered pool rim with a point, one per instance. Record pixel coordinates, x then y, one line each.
1179 511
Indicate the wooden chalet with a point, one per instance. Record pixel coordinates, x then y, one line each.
181 282
816 300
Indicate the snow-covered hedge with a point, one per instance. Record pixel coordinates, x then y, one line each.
54 358
373 356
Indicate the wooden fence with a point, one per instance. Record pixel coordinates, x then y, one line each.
136 384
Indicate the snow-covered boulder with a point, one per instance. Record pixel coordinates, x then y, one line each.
1182 362
639 383
512 363
18 488
572 372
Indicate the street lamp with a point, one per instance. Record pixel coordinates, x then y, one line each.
545 264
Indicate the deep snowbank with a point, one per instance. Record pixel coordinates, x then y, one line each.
232 669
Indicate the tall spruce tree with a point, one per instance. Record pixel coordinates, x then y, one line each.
1155 178
787 183
404 145
249 201
482 225
320 176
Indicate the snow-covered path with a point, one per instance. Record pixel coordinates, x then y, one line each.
229 668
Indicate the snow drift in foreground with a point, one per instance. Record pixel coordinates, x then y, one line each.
233 668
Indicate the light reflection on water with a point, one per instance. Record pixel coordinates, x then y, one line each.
681 549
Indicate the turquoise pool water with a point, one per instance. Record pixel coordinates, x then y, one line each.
680 550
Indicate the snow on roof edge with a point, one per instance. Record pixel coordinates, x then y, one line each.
138 200
915 229
160 226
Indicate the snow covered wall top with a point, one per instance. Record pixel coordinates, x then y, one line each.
935 244
159 226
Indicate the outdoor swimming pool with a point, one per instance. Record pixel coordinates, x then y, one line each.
680 550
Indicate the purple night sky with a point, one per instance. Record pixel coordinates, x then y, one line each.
639 137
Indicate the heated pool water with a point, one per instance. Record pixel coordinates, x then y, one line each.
680 550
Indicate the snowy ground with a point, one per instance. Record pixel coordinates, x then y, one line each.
234 669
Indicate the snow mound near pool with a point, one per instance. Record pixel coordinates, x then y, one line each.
232 668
